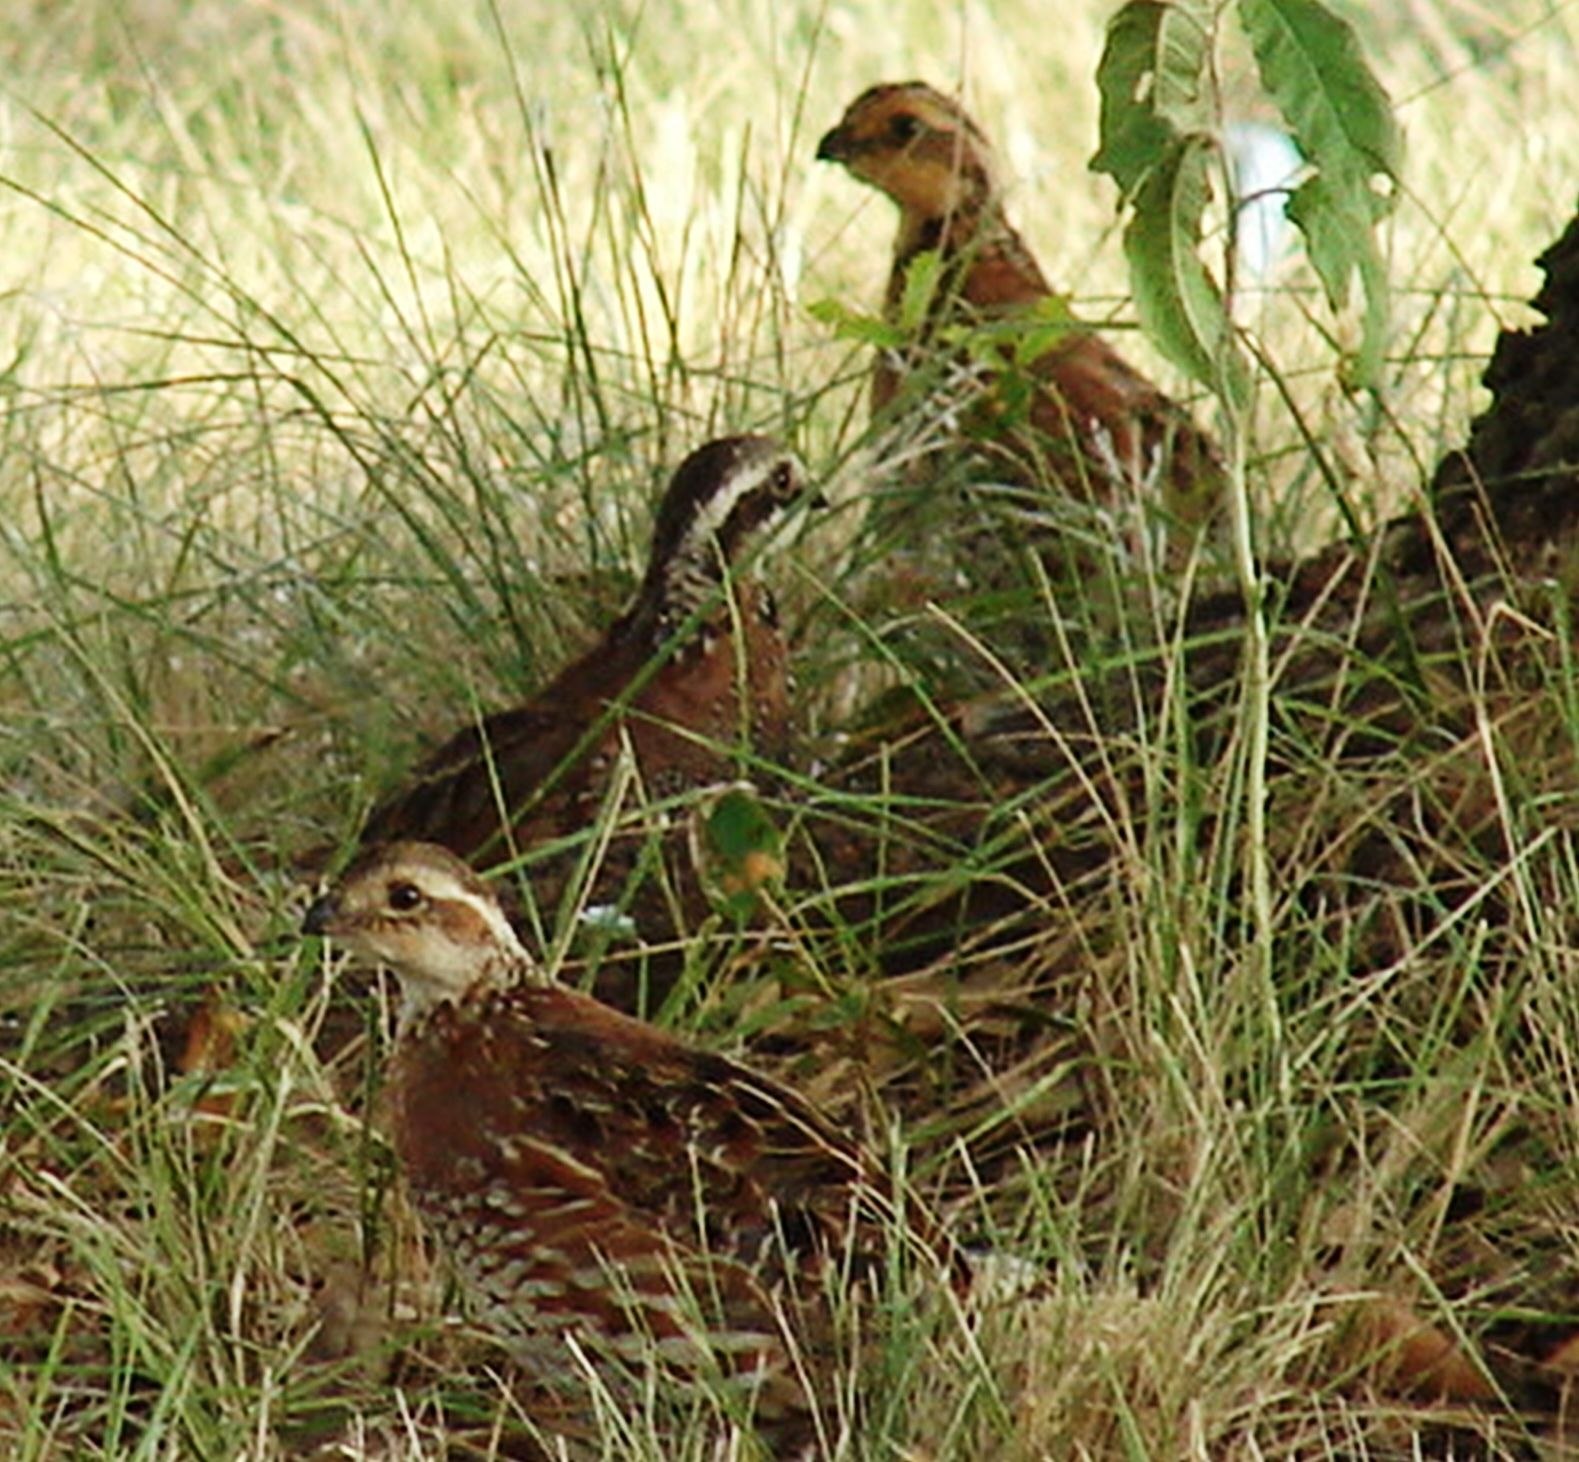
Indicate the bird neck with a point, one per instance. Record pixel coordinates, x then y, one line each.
691 586
686 584
477 973
962 229
959 239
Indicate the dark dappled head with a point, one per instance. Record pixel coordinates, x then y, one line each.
720 497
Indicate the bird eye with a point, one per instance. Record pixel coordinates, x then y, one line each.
783 479
902 127
404 897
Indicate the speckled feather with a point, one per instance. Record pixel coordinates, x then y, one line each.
546 1136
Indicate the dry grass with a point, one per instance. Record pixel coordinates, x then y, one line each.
343 348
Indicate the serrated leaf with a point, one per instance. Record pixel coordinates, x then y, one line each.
1313 69
1152 83
1312 66
1177 299
1337 222
855 325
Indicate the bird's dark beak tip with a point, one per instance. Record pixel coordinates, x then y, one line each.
316 920
828 150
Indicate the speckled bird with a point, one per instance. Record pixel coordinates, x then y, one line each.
692 674
589 1175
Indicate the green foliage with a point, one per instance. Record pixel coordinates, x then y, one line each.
741 850
1339 116
923 278
1152 80
1156 112
314 452
1175 294
1007 347
1158 126
860 327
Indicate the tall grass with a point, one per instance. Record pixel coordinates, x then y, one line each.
342 351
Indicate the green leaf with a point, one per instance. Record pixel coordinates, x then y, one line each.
1341 120
741 850
1338 221
922 277
1152 80
1177 299
981 344
1015 341
855 325
738 826
1313 69
1042 329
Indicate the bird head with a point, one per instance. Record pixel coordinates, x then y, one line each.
720 497
917 146
418 909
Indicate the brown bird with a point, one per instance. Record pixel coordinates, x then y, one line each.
1067 408
591 1177
692 673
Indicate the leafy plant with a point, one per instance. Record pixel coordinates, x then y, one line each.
1159 143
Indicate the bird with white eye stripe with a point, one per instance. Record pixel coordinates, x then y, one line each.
693 672
593 1178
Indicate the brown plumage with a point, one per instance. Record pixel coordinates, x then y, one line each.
590 1176
690 675
1077 414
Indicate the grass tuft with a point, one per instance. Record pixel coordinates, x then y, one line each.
343 353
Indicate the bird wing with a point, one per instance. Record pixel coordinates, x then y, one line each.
457 794
711 1152
513 1152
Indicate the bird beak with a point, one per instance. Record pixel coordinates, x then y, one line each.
321 915
808 492
833 147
